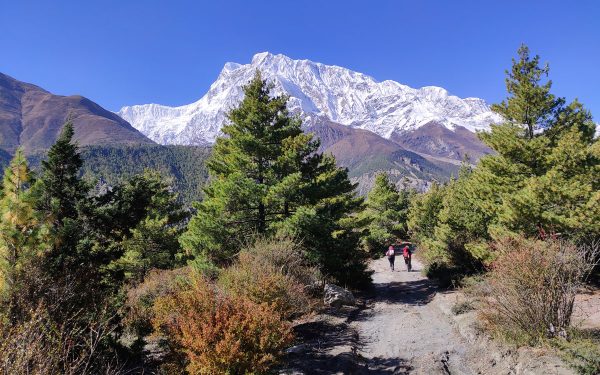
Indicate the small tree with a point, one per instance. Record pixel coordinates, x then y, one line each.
135 227
18 225
58 193
386 211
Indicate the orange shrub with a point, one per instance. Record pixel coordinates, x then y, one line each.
219 333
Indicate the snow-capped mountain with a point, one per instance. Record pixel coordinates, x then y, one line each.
317 92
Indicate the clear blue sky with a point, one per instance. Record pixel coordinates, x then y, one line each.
120 52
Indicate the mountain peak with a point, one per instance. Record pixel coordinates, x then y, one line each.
317 92
260 57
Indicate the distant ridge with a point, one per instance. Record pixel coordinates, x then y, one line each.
32 118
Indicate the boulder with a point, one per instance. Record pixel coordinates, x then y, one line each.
337 296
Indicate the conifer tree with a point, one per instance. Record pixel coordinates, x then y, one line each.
59 191
267 177
530 103
18 224
541 180
136 226
386 211
519 186
243 169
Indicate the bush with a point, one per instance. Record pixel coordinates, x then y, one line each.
140 299
273 271
532 287
220 333
38 345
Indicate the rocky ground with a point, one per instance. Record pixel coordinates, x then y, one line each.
406 326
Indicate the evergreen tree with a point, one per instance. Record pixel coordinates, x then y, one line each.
243 169
386 211
530 103
59 191
18 224
61 187
541 180
520 186
266 176
135 227
327 224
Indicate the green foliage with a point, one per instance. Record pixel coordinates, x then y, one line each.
542 179
58 193
19 228
386 212
135 227
581 352
530 102
184 166
267 178
68 254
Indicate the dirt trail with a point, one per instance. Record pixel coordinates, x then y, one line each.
406 327
402 332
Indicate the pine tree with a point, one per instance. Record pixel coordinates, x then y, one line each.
244 168
135 227
526 187
58 193
530 103
18 224
266 177
60 184
327 224
386 210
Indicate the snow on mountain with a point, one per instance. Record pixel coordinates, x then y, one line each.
316 91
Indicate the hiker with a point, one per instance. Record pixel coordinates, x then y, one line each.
407 257
391 255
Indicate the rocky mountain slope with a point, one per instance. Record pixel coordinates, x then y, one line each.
32 118
320 93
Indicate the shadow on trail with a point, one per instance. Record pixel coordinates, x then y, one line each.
317 340
414 292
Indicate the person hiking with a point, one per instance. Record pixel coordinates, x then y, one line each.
391 255
407 257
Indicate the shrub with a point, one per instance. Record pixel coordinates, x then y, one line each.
38 345
532 287
273 271
140 299
220 333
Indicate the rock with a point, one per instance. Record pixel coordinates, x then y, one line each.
297 349
337 296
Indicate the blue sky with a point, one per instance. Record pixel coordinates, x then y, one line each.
121 52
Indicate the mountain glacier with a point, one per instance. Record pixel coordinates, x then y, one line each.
317 92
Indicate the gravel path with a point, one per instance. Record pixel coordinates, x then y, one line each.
402 332
405 326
